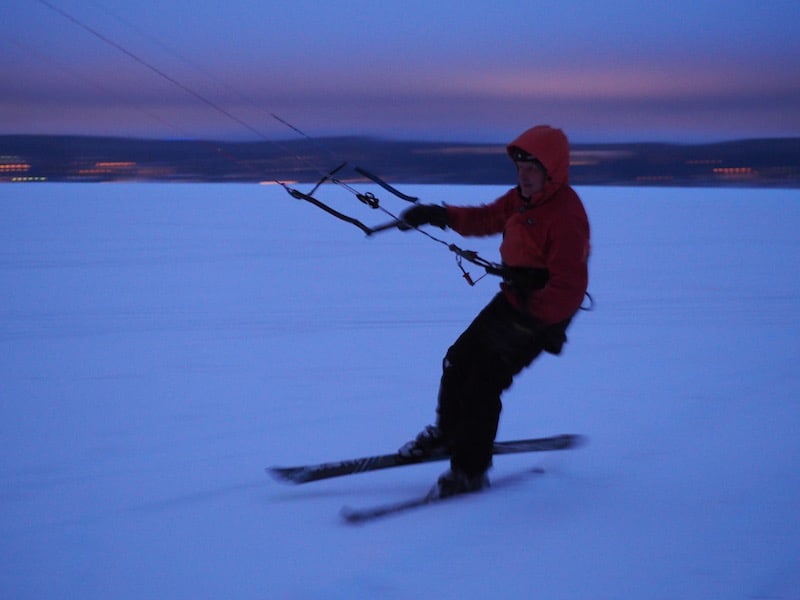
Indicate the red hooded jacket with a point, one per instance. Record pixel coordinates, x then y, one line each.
548 231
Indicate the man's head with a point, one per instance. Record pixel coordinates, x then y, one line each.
531 173
541 155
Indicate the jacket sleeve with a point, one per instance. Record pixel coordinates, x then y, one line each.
483 220
567 264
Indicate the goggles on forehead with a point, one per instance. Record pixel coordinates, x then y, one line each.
519 155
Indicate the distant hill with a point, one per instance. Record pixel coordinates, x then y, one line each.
756 162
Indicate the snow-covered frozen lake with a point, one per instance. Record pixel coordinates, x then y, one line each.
161 344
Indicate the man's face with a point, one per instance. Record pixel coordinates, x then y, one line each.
530 176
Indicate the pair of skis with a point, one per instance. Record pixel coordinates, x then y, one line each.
316 472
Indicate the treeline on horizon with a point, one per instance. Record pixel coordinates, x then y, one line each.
755 162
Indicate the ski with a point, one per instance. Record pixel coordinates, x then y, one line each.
357 516
315 472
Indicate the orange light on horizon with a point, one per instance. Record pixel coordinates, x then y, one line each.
14 167
115 165
654 178
704 161
733 171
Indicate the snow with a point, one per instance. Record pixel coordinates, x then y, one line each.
161 344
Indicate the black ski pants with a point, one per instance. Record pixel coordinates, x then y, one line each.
477 368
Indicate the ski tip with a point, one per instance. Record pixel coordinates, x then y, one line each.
577 440
352 516
568 440
286 474
276 473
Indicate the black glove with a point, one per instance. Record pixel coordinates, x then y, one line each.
525 279
421 214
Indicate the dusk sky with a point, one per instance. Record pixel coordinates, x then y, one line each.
683 71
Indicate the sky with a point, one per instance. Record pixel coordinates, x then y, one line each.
683 71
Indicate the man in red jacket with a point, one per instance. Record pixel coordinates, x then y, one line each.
545 250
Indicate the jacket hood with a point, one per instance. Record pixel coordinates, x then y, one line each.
551 147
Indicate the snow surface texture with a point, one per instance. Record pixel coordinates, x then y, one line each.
161 344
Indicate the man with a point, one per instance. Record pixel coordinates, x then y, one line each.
545 249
